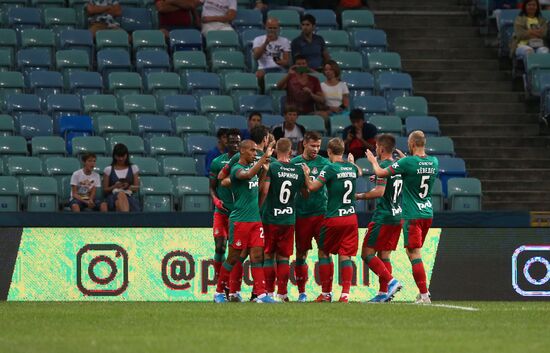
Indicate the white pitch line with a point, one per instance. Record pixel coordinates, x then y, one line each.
467 308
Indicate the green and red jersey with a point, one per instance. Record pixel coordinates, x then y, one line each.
316 202
245 192
286 180
388 207
339 179
223 193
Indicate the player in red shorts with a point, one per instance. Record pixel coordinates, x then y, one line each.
245 227
418 172
282 183
385 226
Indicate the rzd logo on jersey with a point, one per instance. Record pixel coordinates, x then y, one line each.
344 212
252 184
314 170
424 205
278 211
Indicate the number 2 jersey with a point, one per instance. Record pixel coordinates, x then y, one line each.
388 207
418 174
339 178
286 180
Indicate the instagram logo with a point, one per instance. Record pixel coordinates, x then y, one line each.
102 270
531 270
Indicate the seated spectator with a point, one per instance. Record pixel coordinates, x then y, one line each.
529 31
254 119
291 130
84 183
220 148
101 15
310 45
360 135
121 181
302 90
177 14
270 50
335 91
217 15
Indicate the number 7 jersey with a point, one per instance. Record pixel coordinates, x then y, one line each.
339 177
418 174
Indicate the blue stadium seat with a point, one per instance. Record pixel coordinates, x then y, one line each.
185 39
362 185
505 25
203 83
192 125
133 19
139 104
248 19
369 40
7 127
440 146
259 103
8 41
198 146
17 104
371 105
437 196
84 83
464 194
113 60
270 120
156 194
45 83
180 105
20 18
247 37
161 147
402 143
359 83
32 59
230 122
75 126
11 82
391 85
450 167
325 19
31 125
78 39
148 61
135 144
149 125
427 124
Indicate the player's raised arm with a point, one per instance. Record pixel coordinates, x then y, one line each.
248 153
311 185
380 172
376 192
351 159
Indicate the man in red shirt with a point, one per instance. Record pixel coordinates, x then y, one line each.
360 136
176 14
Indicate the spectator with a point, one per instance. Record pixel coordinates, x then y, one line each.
310 45
335 91
177 14
291 130
529 31
101 15
219 149
254 119
84 183
359 136
270 50
121 181
302 90
217 15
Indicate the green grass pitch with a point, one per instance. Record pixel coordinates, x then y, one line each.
281 328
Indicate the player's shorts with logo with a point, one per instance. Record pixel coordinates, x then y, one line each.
279 239
307 229
243 235
221 225
382 237
339 235
415 231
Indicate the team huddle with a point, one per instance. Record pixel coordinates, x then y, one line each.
266 206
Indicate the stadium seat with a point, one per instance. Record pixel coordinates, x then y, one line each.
450 167
148 61
271 89
240 84
248 19
180 105
221 41
505 25
440 146
84 83
111 125
365 166
258 103
61 169
230 122
124 83
60 18
535 65
288 19
112 39
389 124
45 83
324 19
192 125
173 167
98 104
61 105
161 147
20 18
22 165
464 194
17 104
6 60
11 82
101 163
427 124
139 104
12 146
156 194
148 166
393 85
133 19
9 194
40 194
437 196
357 19
90 144
135 144
371 105
47 3
32 59
7 126
359 83
71 126
410 106
247 37
198 146
224 61
368 41
383 62
31 125
271 120
290 33
48 146
348 61
77 39
185 40
402 143
149 125
72 60
312 123
335 40
8 41
162 84
38 38
337 124
113 60
189 61
212 106
148 39
193 194
203 83
362 185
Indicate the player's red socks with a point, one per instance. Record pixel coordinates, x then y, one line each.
218 261
258 277
346 275
384 283
223 277
377 266
326 272
236 277
419 275
283 273
300 273
269 273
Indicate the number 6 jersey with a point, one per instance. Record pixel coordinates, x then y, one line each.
286 179
418 174
339 178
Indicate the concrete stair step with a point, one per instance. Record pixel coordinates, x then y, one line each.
380 4
472 153
473 108
515 195
464 86
513 175
508 163
516 205
383 20
448 54
438 43
397 31
498 141
460 75
390 6
490 129
470 97
489 118
500 185
454 64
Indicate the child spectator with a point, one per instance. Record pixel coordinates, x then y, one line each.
84 183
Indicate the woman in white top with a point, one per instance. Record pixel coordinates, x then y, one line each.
335 91
120 181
